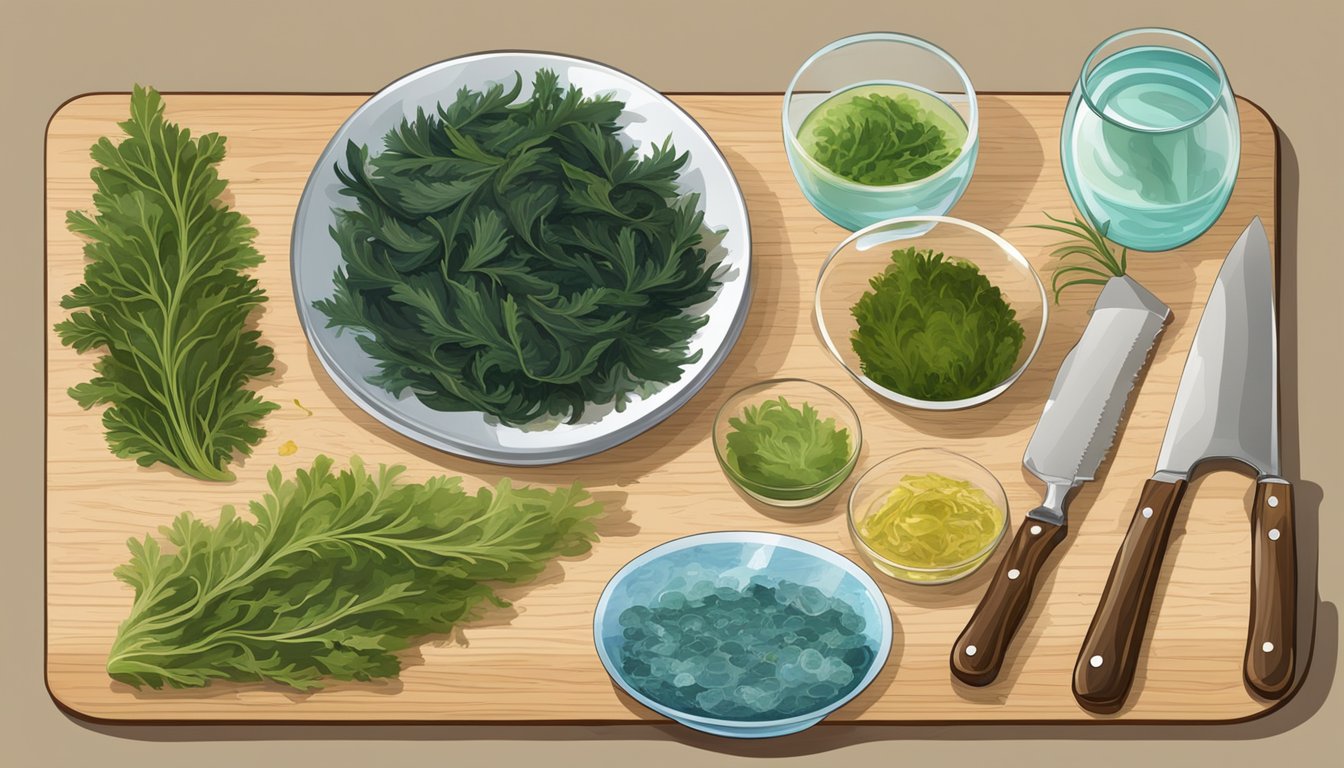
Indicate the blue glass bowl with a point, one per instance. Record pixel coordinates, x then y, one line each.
738 558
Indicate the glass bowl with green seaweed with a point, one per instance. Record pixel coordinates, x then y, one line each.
927 516
942 320
787 442
878 125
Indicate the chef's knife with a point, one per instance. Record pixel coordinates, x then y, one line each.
1072 438
1226 408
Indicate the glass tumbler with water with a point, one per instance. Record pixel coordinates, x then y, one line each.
1151 140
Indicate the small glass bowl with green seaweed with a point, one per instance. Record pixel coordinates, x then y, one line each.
787 442
878 125
943 320
927 516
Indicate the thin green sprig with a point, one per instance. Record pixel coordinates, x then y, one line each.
1088 241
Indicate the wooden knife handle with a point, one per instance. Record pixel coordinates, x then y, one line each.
1104 671
1272 639
979 652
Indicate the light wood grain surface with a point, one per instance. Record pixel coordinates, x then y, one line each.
536 662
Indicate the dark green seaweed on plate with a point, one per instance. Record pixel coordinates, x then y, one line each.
518 258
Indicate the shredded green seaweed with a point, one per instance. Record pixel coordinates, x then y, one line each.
778 450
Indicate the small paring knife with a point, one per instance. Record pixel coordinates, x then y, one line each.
1072 438
1226 408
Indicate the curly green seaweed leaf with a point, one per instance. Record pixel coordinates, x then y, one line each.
880 140
337 572
165 299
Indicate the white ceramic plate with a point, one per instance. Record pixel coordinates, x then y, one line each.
648 118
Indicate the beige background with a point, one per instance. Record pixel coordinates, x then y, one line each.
1283 55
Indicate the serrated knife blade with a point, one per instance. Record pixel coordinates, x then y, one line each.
1072 437
1087 401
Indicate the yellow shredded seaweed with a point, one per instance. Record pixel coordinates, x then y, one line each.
932 521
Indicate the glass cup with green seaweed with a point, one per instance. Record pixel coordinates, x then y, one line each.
787 442
881 125
927 516
943 320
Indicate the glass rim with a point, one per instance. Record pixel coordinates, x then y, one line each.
972 124
1009 251
851 461
1211 59
986 550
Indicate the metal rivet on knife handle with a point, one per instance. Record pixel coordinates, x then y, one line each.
1116 634
979 652
1272 636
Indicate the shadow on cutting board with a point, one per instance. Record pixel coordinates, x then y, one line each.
1010 161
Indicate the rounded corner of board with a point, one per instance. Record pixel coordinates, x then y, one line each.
70 705
72 104
1255 108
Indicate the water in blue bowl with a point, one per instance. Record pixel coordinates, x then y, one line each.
742 633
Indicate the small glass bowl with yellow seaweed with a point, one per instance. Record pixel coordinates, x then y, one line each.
927 516
787 442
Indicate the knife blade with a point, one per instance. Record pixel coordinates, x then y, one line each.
1226 407
1071 439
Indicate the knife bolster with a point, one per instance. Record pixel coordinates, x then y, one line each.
1053 508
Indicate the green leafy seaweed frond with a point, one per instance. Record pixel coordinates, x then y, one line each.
881 140
780 445
166 299
333 574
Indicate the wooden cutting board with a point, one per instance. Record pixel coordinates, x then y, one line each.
536 662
